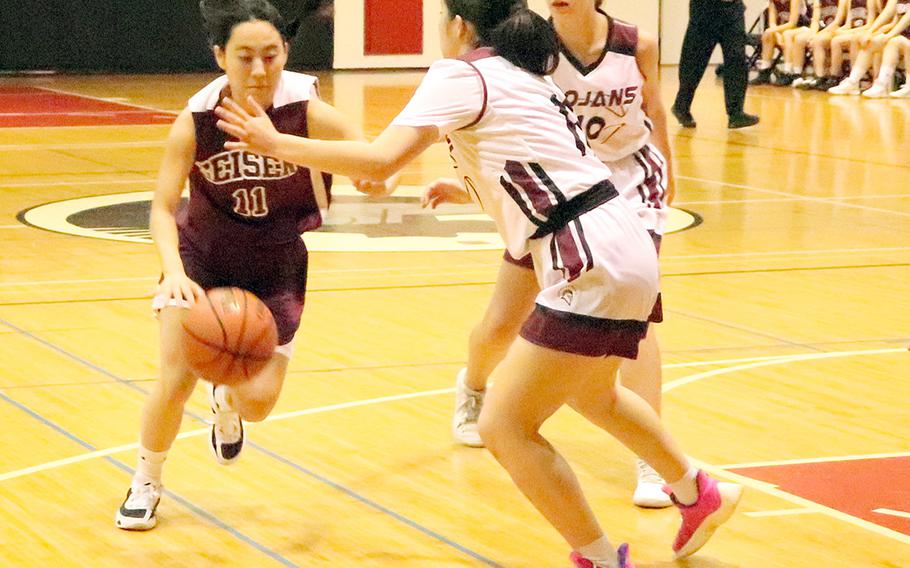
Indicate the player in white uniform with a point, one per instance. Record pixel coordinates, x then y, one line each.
521 154
608 70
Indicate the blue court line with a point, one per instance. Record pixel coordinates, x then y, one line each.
337 486
183 501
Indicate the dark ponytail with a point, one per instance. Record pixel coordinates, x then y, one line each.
220 17
517 33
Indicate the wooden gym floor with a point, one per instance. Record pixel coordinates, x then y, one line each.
784 349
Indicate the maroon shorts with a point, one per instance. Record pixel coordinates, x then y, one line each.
657 314
276 274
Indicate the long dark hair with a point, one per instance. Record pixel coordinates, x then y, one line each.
220 17
517 33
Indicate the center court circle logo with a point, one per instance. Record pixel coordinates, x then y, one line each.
355 222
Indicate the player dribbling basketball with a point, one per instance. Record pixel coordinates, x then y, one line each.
241 228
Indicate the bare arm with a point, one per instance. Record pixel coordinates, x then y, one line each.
885 17
816 22
377 160
791 21
175 168
647 58
842 17
328 123
900 26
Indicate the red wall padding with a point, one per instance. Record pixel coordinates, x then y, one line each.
393 27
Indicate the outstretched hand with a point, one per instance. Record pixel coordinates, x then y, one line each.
254 132
444 190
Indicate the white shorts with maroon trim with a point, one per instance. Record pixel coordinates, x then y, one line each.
642 179
599 281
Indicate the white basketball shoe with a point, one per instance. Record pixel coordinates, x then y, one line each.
468 404
137 513
227 428
649 492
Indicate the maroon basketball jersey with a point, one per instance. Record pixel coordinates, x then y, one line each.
240 199
827 11
782 7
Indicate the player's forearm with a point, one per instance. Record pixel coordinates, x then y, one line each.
163 227
359 160
661 139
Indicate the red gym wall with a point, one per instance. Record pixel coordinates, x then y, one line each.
393 27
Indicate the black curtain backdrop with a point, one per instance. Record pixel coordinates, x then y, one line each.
135 36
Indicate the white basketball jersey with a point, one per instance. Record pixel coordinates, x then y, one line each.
606 96
515 143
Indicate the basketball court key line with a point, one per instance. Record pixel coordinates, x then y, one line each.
364 500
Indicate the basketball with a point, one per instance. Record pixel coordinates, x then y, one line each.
230 335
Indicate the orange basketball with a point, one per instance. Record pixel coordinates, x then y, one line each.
230 335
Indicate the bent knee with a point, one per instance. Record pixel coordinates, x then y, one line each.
495 432
256 410
177 384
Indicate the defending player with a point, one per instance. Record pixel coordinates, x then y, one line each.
521 154
609 72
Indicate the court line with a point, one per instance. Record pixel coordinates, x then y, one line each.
104 113
322 479
789 199
429 270
781 513
772 490
804 197
82 146
785 269
205 431
775 463
315 290
130 104
84 182
782 359
892 512
199 511
347 405
403 365
741 328
672 385
792 252
777 150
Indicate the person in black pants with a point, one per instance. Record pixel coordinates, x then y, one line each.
712 22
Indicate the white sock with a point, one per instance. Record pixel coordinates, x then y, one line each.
764 65
885 75
600 552
856 75
685 489
797 69
223 398
149 466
